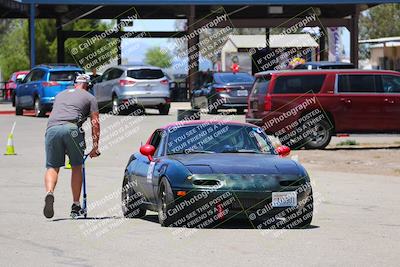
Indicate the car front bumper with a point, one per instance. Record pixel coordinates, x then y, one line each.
203 208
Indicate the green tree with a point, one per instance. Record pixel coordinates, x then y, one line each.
377 22
89 54
158 57
380 21
14 52
14 41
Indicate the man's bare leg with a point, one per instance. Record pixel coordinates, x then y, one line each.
50 181
76 182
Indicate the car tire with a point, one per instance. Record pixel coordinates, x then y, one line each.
164 109
39 111
192 104
321 136
19 111
165 203
212 109
13 98
129 209
240 111
115 105
309 206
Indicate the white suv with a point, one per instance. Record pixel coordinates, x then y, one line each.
147 86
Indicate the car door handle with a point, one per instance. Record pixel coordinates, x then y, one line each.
346 100
390 101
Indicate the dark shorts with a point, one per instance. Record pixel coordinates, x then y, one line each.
64 140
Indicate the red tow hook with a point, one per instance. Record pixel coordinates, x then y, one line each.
220 211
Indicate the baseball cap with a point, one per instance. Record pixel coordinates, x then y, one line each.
82 78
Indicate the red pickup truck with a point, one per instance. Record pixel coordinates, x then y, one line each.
304 108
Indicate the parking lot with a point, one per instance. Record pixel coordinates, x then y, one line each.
356 218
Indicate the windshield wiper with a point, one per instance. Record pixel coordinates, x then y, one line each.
192 152
242 151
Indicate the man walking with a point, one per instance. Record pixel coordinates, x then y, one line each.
64 135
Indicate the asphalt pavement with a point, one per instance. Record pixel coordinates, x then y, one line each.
356 221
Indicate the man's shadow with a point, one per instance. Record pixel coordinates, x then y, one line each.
87 218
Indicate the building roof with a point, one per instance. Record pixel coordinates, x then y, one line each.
381 40
280 40
205 2
393 41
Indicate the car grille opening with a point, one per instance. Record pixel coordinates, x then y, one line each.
292 183
206 182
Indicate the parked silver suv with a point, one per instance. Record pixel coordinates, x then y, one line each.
146 85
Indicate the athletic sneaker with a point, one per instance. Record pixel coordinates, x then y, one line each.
76 211
48 209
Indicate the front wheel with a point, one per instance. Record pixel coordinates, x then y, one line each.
18 110
132 202
39 111
240 111
165 203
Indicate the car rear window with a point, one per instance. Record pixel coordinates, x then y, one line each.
233 78
261 85
299 84
391 84
63 76
338 66
358 83
146 74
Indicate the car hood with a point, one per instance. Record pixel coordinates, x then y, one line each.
234 163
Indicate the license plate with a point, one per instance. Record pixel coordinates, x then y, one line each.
242 93
284 199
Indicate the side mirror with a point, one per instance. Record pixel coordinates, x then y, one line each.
283 151
148 150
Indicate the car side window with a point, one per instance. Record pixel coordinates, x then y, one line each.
359 83
117 73
28 77
261 85
294 84
391 84
156 140
114 74
38 75
106 75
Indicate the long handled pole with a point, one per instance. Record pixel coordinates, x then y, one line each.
84 187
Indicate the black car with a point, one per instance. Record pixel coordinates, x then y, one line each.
223 90
324 65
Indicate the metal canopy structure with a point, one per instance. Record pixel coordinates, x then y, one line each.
241 14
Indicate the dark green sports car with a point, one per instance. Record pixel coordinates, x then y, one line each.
203 173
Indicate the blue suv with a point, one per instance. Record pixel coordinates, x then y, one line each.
40 86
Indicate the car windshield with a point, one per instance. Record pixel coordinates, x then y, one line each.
233 78
63 76
217 138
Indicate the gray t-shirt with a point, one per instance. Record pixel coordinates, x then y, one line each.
72 105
